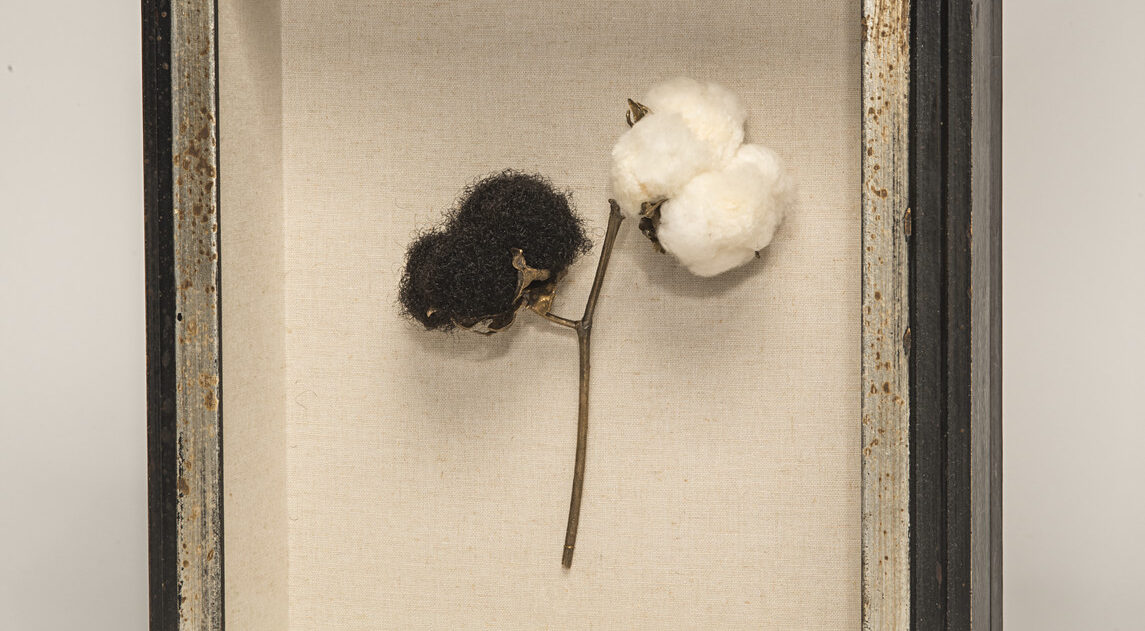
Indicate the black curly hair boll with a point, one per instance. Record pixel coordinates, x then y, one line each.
464 271
425 258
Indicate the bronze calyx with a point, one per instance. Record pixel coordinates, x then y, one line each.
536 290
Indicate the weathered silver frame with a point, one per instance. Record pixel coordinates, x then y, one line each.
885 312
184 345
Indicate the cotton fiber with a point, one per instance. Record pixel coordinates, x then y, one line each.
722 199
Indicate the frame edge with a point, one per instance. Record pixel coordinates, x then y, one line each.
162 516
956 313
884 311
183 317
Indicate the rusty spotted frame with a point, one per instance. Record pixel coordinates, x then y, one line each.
931 314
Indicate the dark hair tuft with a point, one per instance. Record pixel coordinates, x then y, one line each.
463 270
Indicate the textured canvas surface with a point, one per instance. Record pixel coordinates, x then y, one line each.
253 306
428 475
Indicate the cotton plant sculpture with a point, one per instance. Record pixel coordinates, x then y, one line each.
681 170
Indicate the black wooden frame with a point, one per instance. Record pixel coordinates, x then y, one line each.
160 278
953 343
955 315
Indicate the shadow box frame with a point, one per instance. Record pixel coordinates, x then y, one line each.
931 315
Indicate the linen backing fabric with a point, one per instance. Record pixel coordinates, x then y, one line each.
426 476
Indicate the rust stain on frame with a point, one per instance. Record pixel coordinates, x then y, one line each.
195 158
885 313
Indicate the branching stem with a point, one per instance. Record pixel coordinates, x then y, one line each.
556 319
583 329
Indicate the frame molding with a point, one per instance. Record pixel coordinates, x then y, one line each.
955 306
184 426
931 314
885 334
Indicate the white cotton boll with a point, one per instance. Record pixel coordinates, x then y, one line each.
712 112
720 219
655 159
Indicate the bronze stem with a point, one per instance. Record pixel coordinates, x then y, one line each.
583 331
556 319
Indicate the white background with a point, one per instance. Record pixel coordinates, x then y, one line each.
73 476
72 400
1073 305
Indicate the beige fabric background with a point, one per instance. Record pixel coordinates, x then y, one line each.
428 475
253 302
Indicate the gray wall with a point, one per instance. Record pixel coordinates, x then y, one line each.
73 479
72 469
1073 305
